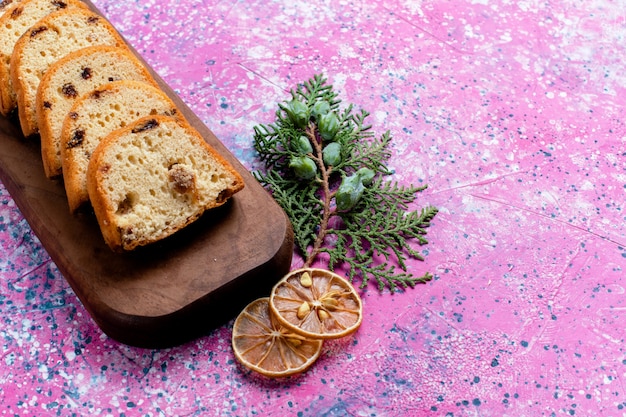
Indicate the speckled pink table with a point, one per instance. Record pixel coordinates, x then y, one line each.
512 112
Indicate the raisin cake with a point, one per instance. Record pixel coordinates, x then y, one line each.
19 17
67 79
47 41
153 178
94 116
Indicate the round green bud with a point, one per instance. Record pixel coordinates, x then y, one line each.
328 125
320 108
302 145
349 192
297 112
303 167
331 154
366 175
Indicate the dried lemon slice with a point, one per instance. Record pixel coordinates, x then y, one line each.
262 344
317 304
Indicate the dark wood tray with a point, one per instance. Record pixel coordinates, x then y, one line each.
173 291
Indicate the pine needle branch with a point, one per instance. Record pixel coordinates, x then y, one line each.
327 170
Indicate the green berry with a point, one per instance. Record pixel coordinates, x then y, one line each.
303 167
328 126
320 108
331 154
302 145
349 192
366 175
297 112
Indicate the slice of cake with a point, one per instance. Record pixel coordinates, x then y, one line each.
96 114
70 77
19 17
6 7
47 41
152 178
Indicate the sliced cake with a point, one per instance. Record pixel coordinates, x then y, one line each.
70 77
19 17
96 114
47 41
152 178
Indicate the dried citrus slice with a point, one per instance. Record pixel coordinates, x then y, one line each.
317 304
262 344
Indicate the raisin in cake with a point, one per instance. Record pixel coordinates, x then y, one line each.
96 114
154 177
19 17
70 77
47 41
7 5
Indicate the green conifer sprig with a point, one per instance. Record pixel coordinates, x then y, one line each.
326 169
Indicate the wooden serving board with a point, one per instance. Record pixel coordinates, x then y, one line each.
172 291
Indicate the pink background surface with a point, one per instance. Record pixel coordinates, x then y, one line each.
512 112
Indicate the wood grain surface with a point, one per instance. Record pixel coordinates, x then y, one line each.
167 293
